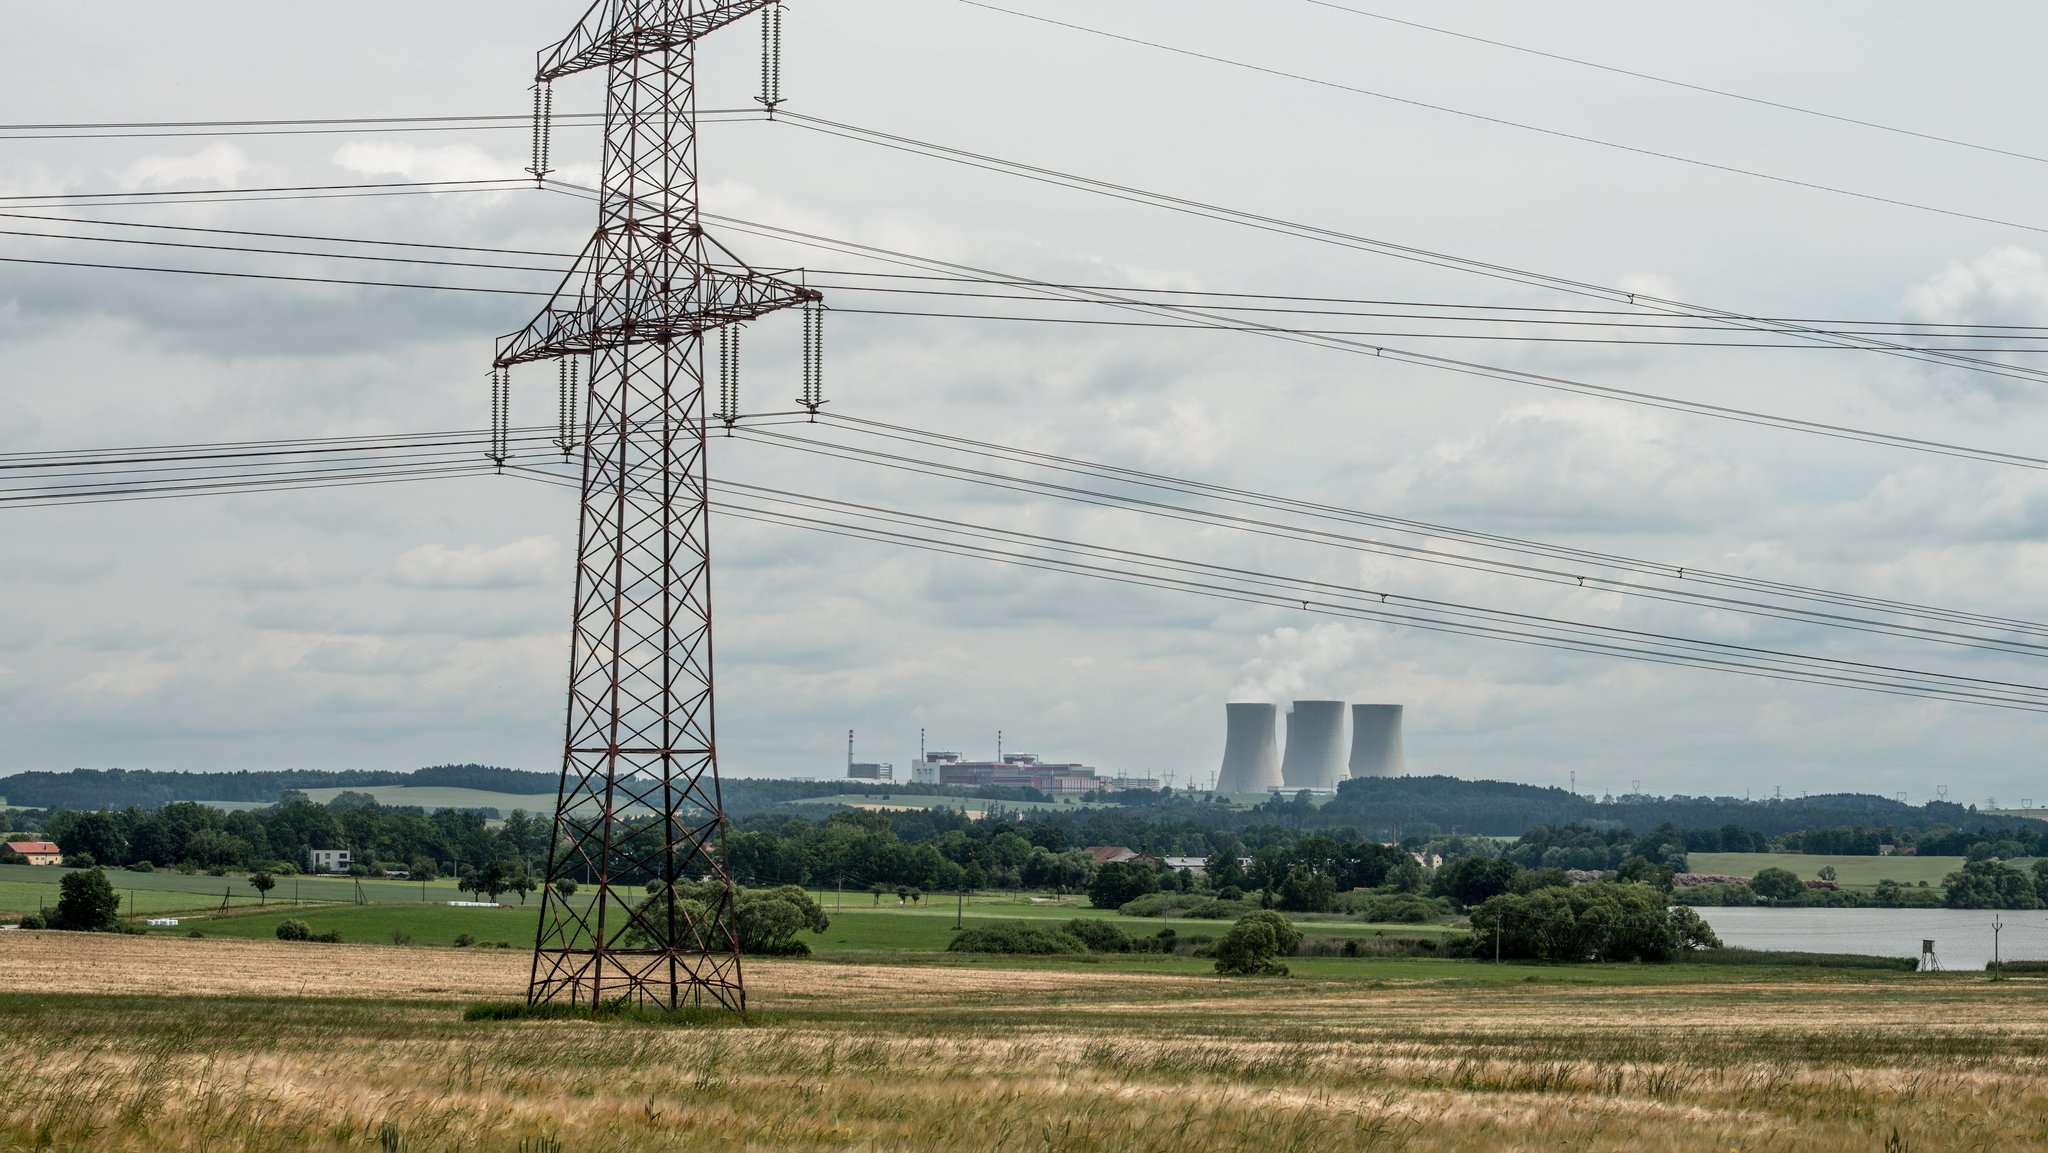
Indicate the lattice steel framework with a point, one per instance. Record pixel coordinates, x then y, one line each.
639 798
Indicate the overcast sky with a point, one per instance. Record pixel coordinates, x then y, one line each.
403 625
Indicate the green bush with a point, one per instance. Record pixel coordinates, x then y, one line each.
142 867
33 921
293 930
464 940
1099 936
333 937
1017 937
1393 908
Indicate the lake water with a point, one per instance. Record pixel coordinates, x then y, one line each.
1962 938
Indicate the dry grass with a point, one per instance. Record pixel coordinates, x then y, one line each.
147 1044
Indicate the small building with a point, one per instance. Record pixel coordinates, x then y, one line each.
1110 854
1196 866
870 771
38 852
327 860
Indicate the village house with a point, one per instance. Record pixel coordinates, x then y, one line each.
38 852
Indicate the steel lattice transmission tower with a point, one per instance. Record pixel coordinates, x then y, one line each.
639 797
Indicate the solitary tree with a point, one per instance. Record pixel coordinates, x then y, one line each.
565 888
262 880
86 903
1253 947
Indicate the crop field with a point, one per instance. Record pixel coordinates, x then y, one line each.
141 1043
1852 872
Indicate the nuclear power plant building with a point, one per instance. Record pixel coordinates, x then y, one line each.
1251 749
1314 758
1376 742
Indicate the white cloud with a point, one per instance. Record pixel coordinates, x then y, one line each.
528 561
413 162
215 166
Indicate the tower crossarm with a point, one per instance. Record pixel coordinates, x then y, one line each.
616 30
569 326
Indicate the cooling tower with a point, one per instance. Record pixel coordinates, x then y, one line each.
1315 746
1376 741
1251 754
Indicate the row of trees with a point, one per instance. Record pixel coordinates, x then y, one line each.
192 835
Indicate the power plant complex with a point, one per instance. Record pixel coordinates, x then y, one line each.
1314 758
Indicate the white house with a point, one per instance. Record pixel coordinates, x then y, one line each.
327 860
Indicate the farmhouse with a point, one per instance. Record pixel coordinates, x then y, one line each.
38 852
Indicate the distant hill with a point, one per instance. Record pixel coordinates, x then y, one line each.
150 789
1506 809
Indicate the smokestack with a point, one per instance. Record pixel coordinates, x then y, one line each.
1251 752
1315 746
1376 742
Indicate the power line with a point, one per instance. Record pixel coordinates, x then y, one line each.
1431 360
1150 570
1205 319
1581 577
988 450
1506 123
1206 298
435 184
1337 238
360 125
1702 88
272 276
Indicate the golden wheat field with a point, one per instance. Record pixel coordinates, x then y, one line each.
125 1043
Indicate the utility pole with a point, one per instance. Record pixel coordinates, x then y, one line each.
1997 969
638 309
1500 921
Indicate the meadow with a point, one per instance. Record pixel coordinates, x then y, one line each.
142 1043
428 797
1851 872
860 931
26 888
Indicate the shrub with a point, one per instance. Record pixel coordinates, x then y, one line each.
333 937
1100 936
398 937
1254 946
33 921
195 933
78 861
292 930
1775 884
1017 937
142 867
464 940
1393 908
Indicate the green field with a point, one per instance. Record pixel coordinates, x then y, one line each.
1852 872
25 888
